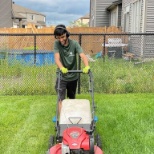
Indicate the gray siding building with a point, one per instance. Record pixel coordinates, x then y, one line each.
99 16
149 16
133 16
6 13
138 17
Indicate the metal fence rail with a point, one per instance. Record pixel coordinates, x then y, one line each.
27 62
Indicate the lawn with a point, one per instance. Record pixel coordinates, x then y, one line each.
125 123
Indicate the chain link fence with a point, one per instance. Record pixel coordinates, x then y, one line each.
121 63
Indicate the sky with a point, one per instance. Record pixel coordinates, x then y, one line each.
58 11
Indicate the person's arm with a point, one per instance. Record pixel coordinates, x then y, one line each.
59 64
57 55
57 60
84 59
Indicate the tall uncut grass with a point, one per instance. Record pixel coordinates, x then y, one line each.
111 76
120 76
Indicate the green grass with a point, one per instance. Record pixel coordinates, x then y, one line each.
126 123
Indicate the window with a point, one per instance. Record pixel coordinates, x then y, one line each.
136 16
32 17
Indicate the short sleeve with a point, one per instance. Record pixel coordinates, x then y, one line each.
78 48
56 47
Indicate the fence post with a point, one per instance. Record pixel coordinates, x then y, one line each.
104 48
79 64
34 49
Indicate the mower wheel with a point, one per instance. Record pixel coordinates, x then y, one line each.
51 141
91 144
98 141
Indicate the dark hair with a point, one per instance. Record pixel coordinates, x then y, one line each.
60 30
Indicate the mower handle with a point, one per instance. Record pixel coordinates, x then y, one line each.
73 71
91 89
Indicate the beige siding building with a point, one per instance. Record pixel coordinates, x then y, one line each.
83 20
22 16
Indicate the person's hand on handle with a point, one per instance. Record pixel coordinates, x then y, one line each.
64 70
86 69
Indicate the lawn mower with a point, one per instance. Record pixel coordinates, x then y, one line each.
75 125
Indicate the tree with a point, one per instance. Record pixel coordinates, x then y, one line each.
78 24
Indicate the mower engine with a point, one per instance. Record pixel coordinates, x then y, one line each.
76 141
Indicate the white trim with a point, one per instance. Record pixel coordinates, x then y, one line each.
136 16
127 8
144 16
143 26
114 17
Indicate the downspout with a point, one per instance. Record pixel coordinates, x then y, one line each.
144 16
90 15
20 23
143 28
117 23
12 12
95 14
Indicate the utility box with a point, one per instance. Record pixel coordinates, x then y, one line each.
115 52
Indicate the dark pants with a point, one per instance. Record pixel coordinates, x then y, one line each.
69 86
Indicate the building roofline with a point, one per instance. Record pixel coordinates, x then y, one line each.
20 9
113 5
